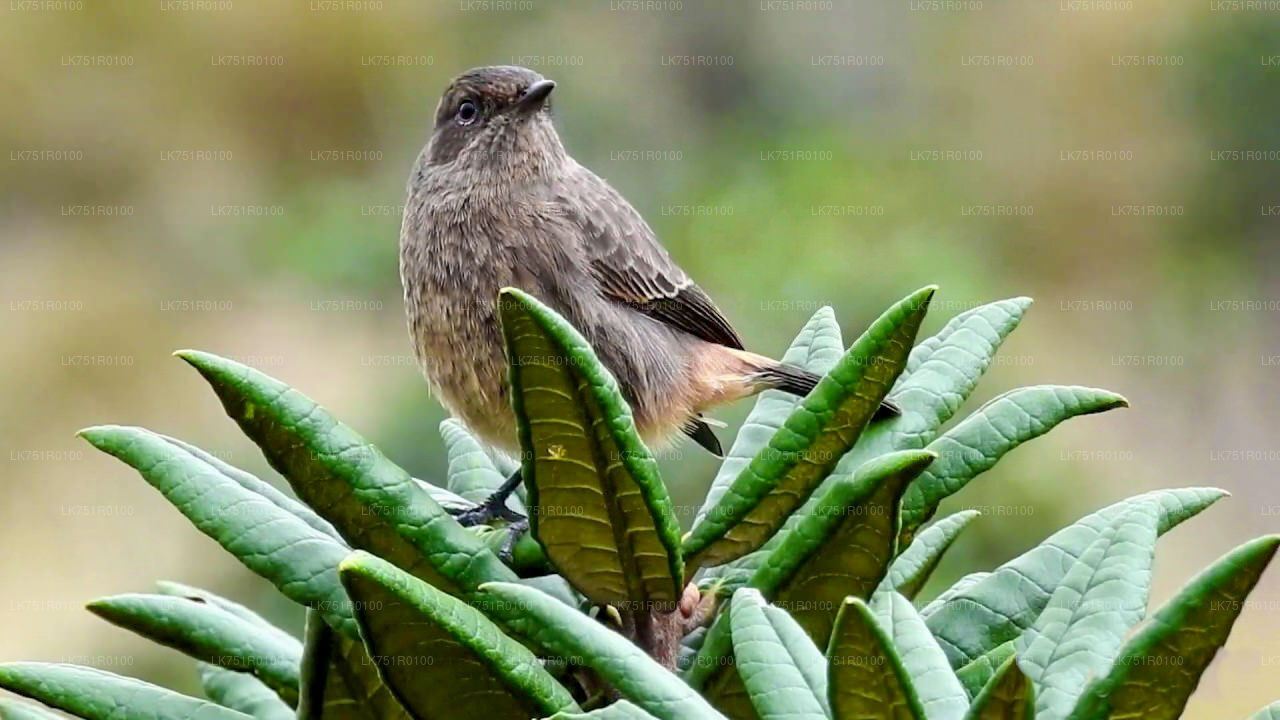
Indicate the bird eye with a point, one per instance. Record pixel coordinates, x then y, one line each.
467 113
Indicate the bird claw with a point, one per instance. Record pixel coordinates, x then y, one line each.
506 551
495 508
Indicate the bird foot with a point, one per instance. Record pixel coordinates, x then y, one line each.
494 507
514 529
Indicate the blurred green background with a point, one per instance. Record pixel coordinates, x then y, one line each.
228 175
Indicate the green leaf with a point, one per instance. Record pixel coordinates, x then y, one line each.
1008 696
472 474
568 633
865 676
444 498
1270 712
620 710
1160 665
261 487
340 681
808 658
845 545
242 692
941 373
208 633
842 548
99 695
911 569
10 710
814 437
713 671
195 594
978 442
772 676
817 349
558 588
599 507
998 607
299 560
432 649
963 349
527 556
1079 633
978 673
959 586
938 690
371 501
689 646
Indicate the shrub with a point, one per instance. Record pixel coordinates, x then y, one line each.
791 596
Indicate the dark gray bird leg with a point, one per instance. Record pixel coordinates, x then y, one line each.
495 508
514 529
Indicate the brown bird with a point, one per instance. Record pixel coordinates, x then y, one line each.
494 201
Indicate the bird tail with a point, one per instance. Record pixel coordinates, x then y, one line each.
800 382
788 378
726 374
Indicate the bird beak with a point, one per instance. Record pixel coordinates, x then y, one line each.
535 97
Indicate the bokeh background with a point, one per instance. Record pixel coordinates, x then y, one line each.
228 175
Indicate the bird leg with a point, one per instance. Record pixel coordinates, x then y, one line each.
495 508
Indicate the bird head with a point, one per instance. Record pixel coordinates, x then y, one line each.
496 120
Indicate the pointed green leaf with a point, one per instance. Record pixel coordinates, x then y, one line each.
725 688
809 659
371 501
969 340
195 594
568 633
958 587
1079 633
620 710
1160 665
298 559
941 373
1008 696
432 649
712 670
817 349
1270 712
558 588
978 442
250 482
998 607
811 441
208 633
600 509
772 676
472 474
865 677
844 547
243 692
99 695
444 498
911 569
939 692
339 680
13 710
978 673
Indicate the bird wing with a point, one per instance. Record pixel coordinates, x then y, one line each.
632 267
